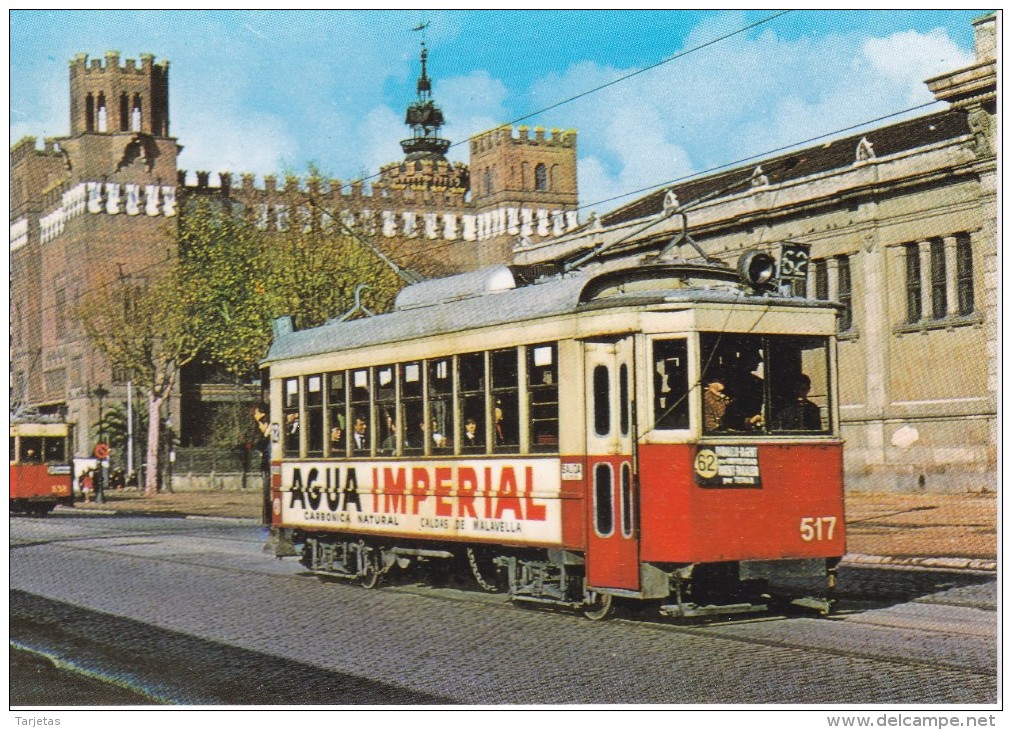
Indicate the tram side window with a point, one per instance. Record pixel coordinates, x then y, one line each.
543 392
361 413
290 412
336 403
55 449
671 384
440 385
414 430
386 410
471 392
314 414
14 447
505 401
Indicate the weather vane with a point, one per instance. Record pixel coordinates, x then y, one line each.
422 27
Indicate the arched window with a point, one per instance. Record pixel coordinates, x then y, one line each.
541 177
89 113
103 117
135 114
124 112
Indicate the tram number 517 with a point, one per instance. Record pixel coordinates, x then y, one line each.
817 528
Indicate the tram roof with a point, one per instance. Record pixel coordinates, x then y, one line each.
491 297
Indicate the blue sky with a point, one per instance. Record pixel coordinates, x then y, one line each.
269 92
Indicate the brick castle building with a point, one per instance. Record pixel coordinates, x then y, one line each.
103 201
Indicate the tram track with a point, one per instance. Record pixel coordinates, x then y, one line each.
859 605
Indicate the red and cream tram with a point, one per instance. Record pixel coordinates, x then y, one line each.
41 474
664 432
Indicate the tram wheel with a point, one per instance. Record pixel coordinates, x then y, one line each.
600 606
371 577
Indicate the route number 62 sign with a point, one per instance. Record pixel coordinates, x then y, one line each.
794 259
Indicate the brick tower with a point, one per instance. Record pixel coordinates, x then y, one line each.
531 178
87 208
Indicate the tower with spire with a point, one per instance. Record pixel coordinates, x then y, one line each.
425 167
425 119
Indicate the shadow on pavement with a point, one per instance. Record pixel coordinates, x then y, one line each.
173 667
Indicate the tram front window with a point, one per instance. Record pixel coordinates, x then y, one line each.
764 383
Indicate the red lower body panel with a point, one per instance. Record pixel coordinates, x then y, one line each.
793 510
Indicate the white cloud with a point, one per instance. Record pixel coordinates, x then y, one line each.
381 133
471 104
238 143
737 98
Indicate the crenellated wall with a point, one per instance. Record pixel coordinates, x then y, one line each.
389 213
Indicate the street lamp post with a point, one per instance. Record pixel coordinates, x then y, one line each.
103 480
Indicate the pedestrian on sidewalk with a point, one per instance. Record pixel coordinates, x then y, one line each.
279 541
262 446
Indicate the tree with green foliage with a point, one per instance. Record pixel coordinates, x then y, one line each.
243 277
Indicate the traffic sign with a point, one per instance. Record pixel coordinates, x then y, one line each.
102 451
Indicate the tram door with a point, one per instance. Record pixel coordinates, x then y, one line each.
613 545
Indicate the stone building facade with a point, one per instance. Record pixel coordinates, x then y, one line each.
901 221
103 202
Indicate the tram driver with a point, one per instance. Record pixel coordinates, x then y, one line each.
745 390
715 402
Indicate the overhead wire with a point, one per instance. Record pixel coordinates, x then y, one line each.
436 248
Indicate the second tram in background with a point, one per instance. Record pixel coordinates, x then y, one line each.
41 474
666 432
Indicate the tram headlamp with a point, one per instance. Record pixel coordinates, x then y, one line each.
757 268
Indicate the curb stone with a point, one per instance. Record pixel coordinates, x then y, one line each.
922 562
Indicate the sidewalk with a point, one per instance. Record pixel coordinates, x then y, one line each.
954 531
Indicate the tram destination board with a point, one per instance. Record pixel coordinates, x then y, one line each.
730 465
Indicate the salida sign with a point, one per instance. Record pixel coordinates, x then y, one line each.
515 500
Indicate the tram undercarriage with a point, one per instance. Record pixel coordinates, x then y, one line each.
557 578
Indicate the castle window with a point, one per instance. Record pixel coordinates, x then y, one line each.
103 117
124 112
135 114
89 112
541 177
488 181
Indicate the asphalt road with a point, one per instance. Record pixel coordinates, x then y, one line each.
192 612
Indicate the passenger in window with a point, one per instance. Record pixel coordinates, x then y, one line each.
745 389
471 439
389 445
337 440
360 439
799 413
498 430
714 402
438 439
